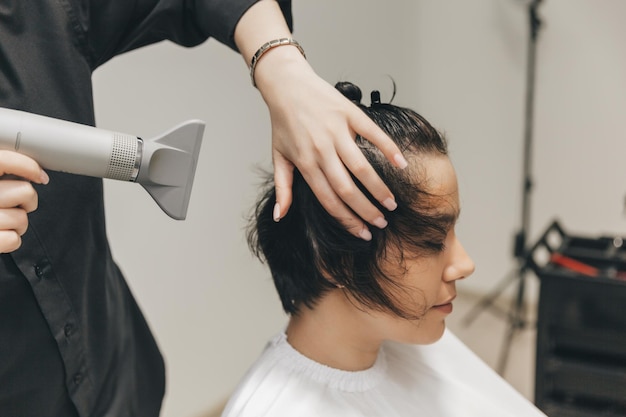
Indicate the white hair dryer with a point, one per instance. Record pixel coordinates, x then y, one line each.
164 165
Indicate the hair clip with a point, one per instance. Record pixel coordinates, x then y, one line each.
375 97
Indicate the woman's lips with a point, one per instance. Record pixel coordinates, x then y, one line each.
444 308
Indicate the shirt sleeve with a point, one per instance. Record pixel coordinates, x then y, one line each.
221 16
115 27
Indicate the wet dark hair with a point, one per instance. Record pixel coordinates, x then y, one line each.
309 252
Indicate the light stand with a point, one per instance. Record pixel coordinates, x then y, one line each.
516 316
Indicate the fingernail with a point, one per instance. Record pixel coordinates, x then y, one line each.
276 213
365 234
390 204
380 222
43 178
400 161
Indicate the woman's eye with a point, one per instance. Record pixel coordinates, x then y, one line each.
436 246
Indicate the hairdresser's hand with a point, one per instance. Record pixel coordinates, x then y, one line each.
17 196
314 128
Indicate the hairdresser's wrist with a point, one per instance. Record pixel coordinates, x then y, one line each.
278 64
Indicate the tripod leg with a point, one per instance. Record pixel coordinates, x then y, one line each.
517 321
506 349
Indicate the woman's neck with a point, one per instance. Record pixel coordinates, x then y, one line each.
335 334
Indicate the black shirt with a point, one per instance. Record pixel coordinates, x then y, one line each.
72 338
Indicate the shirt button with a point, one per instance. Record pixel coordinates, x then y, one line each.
78 378
68 330
39 271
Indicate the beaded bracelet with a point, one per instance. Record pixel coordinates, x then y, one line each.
266 47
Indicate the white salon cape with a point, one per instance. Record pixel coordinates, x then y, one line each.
444 379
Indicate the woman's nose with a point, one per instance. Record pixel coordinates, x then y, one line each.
461 265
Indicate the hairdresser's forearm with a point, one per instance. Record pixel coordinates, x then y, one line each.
262 23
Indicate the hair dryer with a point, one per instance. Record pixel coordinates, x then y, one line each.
164 165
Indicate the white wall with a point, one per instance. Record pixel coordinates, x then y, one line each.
460 63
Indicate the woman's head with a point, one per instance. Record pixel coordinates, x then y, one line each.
309 253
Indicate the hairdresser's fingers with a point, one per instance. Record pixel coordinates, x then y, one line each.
13 224
356 163
10 241
334 204
317 179
354 160
18 194
333 186
17 198
283 182
345 187
14 219
366 127
13 163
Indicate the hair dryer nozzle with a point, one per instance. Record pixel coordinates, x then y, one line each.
168 166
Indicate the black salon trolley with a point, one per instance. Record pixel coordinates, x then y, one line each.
581 326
